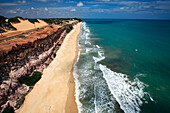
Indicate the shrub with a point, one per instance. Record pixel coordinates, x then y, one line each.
2 17
54 55
2 21
8 109
59 44
52 21
20 17
1 30
30 80
21 36
69 29
20 102
78 19
17 45
48 21
33 20
13 20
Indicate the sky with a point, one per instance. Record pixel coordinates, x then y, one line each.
113 9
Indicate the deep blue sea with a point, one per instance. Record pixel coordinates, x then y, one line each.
123 66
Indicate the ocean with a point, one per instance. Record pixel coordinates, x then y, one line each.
123 66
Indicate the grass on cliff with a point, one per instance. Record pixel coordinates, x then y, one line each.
13 20
69 29
53 21
33 20
8 109
30 80
21 36
5 25
20 102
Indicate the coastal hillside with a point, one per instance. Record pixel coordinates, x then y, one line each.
18 25
23 56
27 24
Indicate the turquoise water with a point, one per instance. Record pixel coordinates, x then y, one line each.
123 66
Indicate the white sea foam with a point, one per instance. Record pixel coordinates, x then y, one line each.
77 84
128 94
88 49
97 59
100 55
87 42
97 46
140 75
76 76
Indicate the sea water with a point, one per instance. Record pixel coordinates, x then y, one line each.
123 66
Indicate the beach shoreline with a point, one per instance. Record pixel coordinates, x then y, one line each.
55 91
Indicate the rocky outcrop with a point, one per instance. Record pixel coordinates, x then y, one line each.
20 57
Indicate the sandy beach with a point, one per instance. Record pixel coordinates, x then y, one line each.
54 92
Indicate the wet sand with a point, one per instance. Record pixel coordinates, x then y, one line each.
54 92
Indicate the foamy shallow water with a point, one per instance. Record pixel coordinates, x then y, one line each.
98 88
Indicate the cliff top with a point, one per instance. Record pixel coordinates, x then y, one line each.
17 25
25 38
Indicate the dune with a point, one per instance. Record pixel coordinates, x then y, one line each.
54 92
26 25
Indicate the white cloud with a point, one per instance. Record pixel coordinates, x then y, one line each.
21 1
12 11
14 3
46 9
32 8
53 4
80 4
71 2
122 8
104 0
8 4
59 1
73 10
41 0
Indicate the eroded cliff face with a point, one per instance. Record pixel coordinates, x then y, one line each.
19 59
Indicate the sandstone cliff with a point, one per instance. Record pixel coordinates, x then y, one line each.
23 55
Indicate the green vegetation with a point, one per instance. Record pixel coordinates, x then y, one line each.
20 102
78 19
13 20
48 21
2 18
30 80
17 45
21 36
8 109
51 26
20 17
5 25
59 44
33 20
53 21
69 29
54 55
1 31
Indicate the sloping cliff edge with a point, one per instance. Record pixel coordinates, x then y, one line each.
21 57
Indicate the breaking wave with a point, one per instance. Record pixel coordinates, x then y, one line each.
128 94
